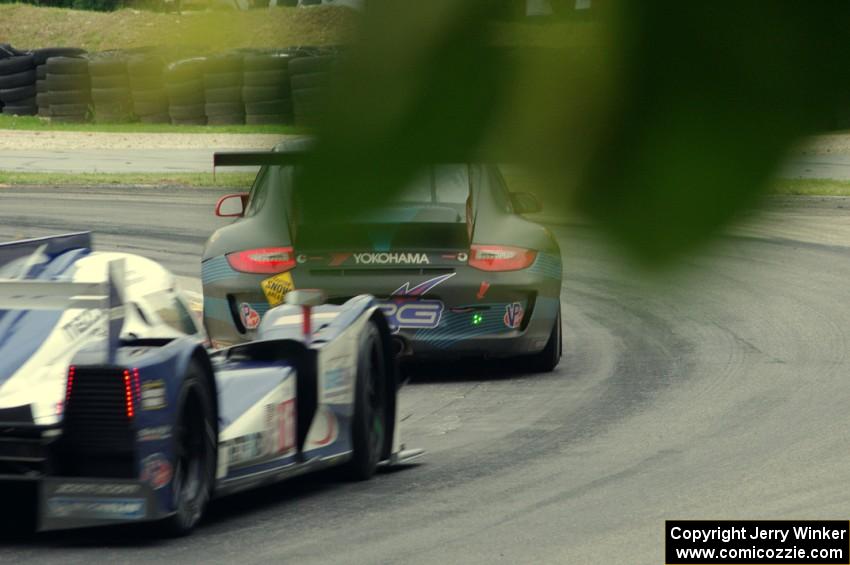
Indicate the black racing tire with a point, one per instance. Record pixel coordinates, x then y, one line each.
40 56
110 81
369 423
195 445
223 108
42 99
67 82
17 64
75 119
265 78
41 86
107 66
67 66
187 112
44 111
268 119
41 72
189 121
8 95
270 62
113 117
69 97
150 96
145 67
222 80
218 95
546 360
162 118
190 89
311 80
224 63
226 120
302 65
110 95
58 110
281 106
149 108
254 94
20 109
23 78
185 70
146 83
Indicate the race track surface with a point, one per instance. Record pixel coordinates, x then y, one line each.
720 391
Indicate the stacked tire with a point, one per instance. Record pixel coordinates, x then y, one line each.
150 99
266 88
110 89
40 57
184 85
17 85
223 89
310 81
68 89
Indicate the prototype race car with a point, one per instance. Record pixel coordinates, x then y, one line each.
111 403
457 269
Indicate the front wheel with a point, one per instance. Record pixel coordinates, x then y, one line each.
194 453
369 424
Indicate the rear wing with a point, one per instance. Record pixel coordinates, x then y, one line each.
39 294
257 158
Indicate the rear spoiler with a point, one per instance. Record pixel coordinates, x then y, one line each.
35 294
257 158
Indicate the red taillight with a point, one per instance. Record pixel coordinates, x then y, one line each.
266 260
500 257
128 394
69 384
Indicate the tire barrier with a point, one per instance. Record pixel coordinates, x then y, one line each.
310 79
147 88
40 57
184 85
257 87
17 85
110 89
223 103
68 89
266 88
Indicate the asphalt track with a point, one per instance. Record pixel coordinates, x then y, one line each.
720 391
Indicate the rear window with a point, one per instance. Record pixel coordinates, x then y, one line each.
439 184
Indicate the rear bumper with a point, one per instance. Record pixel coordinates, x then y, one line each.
480 313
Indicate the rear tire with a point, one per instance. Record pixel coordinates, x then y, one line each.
195 445
548 359
369 425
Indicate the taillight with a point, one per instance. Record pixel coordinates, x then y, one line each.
128 395
69 384
500 257
266 260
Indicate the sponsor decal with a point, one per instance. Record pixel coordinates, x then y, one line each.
462 257
156 471
301 258
83 323
246 448
420 314
153 395
404 310
249 316
276 288
336 382
482 290
104 509
513 315
391 259
285 430
155 433
97 489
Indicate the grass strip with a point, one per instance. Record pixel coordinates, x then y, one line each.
195 180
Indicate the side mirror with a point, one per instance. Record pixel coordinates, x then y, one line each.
231 205
525 203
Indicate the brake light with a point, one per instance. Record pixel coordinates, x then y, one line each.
128 395
69 384
500 257
266 260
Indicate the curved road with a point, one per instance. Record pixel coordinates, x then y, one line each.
718 392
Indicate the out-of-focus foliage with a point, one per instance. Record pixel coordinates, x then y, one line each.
661 120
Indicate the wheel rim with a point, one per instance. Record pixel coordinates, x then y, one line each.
375 395
189 476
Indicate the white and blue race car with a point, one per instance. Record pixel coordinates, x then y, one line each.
111 402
